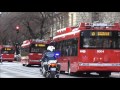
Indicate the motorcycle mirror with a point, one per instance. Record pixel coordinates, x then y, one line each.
40 60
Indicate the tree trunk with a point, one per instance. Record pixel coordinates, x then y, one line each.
30 31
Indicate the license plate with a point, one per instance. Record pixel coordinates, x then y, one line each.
53 69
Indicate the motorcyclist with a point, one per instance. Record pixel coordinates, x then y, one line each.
49 54
50 50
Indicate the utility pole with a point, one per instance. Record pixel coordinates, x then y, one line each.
17 32
17 43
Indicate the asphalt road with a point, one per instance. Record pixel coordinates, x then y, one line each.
16 70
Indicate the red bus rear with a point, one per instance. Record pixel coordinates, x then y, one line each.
31 52
89 48
7 52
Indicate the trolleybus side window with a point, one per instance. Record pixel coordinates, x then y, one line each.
72 47
25 51
68 47
62 47
119 42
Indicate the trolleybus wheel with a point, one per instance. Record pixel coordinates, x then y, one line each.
28 65
104 74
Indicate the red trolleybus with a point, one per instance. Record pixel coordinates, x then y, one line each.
89 48
31 51
7 53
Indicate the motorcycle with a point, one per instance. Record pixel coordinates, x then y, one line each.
50 69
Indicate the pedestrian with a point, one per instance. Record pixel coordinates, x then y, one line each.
0 58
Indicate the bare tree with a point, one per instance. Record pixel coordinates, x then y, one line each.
32 25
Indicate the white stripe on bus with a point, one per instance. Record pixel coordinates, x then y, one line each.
99 64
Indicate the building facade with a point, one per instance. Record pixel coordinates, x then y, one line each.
66 19
60 21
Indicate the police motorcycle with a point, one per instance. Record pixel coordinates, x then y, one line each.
50 68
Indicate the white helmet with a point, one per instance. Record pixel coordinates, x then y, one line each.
51 48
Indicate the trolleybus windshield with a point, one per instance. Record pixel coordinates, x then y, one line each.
7 50
100 39
37 48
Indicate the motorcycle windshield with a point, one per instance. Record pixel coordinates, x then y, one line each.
50 56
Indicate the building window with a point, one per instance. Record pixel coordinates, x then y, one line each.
54 24
62 19
71 19
95 16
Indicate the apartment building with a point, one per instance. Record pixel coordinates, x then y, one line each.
66 19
